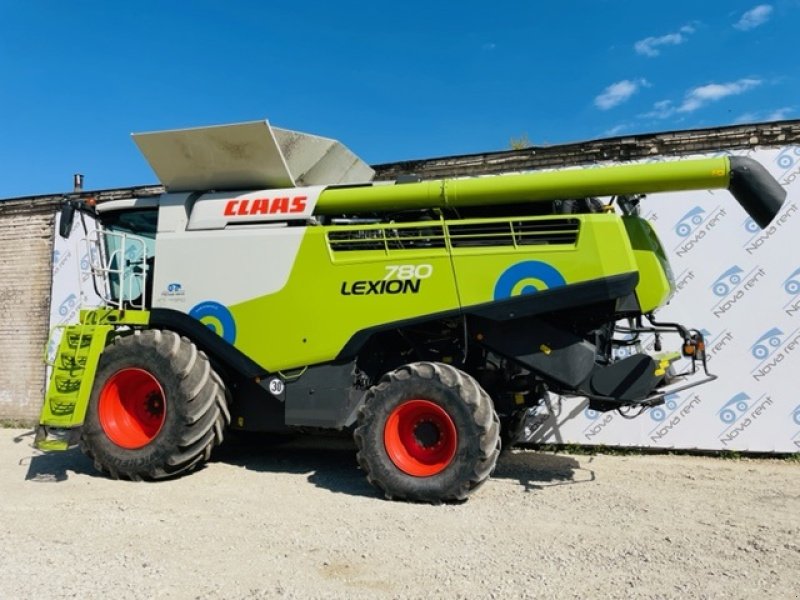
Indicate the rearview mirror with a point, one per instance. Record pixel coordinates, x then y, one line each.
67 217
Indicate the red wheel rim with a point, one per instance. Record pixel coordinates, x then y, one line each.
420 438
132 408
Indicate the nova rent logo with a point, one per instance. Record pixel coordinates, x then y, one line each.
694 226
771 351
67 309
792 287
597 422
751 226
795 415
732 286
716 343
68 305
739 414
683 279
60 258
88 259
757 237
788 164
671 414
624 351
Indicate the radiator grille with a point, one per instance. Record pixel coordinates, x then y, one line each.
389 238
514 233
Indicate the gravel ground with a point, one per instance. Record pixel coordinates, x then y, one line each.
299 520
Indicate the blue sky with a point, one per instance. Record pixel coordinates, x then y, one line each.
393 81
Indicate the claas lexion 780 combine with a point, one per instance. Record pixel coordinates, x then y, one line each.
427 317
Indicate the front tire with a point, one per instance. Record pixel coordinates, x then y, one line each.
427 432
156 410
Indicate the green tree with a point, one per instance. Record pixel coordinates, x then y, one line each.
520 143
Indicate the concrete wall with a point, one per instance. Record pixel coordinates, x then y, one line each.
26 242
624 148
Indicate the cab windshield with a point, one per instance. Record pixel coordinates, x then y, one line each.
130 243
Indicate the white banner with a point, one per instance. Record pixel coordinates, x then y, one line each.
72 287
741 287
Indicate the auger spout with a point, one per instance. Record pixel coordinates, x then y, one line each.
757 191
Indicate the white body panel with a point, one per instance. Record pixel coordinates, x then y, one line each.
227 266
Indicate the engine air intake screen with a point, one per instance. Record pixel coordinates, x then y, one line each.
388 238
514 233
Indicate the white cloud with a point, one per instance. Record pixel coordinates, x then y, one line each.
748 117
489 46
779 114
754 17
616 130
649 46
619 92
661 110
698 97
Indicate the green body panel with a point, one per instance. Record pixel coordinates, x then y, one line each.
656 284
712 173
310 319
74 368
601 250
114 316
322 305
326 301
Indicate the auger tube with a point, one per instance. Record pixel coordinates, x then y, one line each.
757 191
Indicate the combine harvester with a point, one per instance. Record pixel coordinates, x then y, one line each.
273 287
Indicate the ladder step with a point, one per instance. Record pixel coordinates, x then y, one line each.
77 340
61 406
67 385
56 438
73 362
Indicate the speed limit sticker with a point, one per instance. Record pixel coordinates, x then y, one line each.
276 386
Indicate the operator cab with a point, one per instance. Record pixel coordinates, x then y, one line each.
122 252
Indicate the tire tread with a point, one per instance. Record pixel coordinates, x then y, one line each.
470 392
205 414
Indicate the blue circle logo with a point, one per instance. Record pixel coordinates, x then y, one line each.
217 318
527 277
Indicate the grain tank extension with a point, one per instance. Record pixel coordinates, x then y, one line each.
275 287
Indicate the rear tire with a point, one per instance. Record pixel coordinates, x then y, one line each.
156 410
427 432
